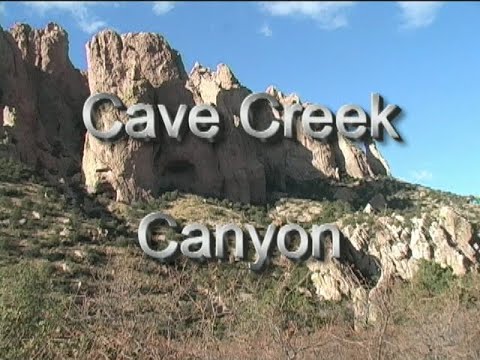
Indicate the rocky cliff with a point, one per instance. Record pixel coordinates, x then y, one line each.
144 68
41 102
42 97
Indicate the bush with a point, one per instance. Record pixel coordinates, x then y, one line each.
258 215
13 171
332 211
170 195
432 278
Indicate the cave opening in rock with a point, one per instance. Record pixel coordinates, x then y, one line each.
179 174
179 167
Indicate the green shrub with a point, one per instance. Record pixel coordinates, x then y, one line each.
13 171
15 216
432 278
332 211
258 215
170 195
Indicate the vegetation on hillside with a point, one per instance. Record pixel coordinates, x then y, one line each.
75 284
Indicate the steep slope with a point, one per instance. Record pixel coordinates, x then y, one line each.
74 282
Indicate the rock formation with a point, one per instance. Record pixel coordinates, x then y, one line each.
391 249
144 68
42 95
41 99
378 248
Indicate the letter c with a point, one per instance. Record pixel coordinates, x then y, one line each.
244 118
144 236
88 107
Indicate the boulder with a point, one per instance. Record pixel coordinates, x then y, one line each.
376 204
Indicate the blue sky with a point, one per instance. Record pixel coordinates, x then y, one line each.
423 57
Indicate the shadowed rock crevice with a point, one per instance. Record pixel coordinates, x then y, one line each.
179 174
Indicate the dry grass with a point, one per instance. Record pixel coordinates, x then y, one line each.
131 307
74 284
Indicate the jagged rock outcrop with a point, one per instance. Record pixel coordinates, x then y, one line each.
144 68
375 159
41 98
377 248
42 95
390 249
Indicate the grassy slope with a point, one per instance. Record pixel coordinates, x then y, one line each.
74 284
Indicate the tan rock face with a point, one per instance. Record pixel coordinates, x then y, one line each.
138 68
42 95
41 100
144 68
460 231
442 236
390 249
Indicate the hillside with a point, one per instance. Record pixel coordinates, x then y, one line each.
75 283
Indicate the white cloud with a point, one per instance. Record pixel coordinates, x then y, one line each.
266 31
163 7
91 26
417 14
421 175
329 14
78 10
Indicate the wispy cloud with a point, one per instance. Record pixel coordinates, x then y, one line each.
329 14
421 175
418 14
163 7
266 31
80 11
